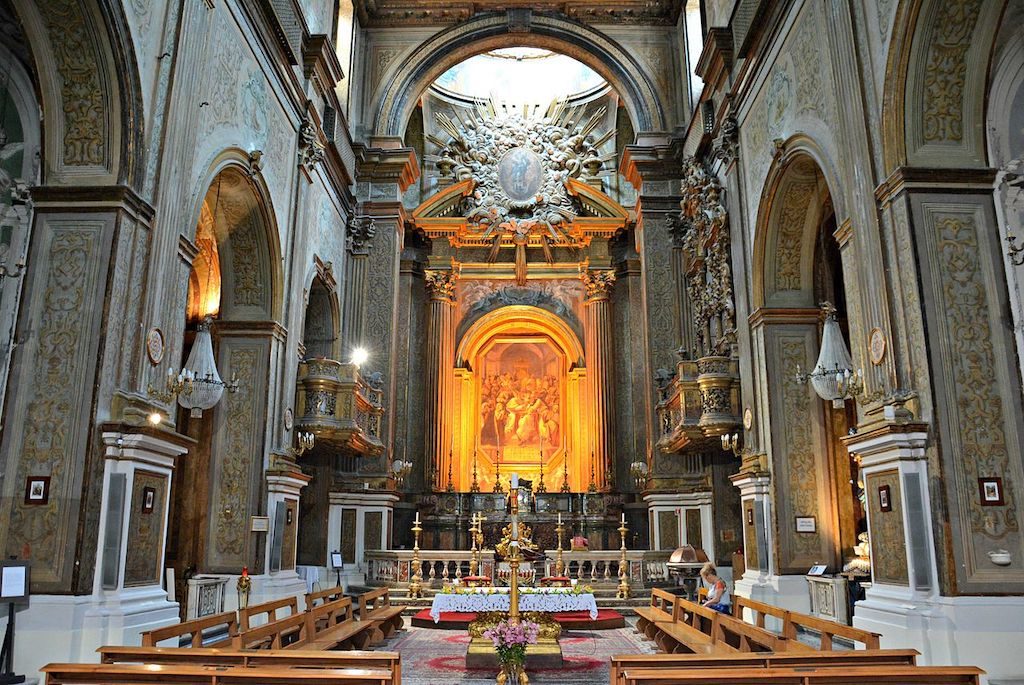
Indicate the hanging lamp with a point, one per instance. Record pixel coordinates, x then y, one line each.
833 377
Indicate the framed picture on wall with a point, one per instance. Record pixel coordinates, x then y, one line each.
991 491
806 524
148 500
750 517
884 501
37 490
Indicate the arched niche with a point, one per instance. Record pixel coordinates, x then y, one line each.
933 109
395 103
520 354
89 89
320 325
236 212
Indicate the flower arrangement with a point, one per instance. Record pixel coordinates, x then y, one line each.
511 639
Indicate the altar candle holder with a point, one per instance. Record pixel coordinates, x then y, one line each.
513 555
559 564
565 473
540 486
415 584
623 592
497 473
475 485
474 563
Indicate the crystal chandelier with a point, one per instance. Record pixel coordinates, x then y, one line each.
833 377
206 384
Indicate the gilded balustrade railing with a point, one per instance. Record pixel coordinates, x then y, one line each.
339 406
439 567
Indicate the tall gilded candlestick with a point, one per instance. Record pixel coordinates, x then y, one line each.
565 473
623 592
417 575
474 562
513 553
475 485
497 473
540 486
559 564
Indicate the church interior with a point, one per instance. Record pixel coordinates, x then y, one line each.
644 342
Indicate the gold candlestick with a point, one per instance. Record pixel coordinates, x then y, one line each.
417 576
513 562
623 592
565 473
559 564
593 485
497 473
540 486
451 485
475 485
474 563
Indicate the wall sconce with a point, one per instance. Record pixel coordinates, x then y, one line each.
833 377
305 443
730 443
640 473
360 356
401 469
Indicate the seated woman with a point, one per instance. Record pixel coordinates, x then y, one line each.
718 593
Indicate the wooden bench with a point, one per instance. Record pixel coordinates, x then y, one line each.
197 629
791 621
376 606
693 629
267 610
332 626
660 610
202 656
281 634
189 674
860 657
323 596
805 675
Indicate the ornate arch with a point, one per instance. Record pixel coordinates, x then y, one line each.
487 32
787 227
517 317
247 235
936 80
89 89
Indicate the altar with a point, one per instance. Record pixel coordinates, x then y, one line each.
551 600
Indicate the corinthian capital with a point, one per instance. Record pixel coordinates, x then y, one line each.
440 284
598 283
361 230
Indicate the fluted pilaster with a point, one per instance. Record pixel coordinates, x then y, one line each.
599 351
440 351
359 237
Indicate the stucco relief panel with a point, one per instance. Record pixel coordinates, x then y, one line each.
888 539
946 70
145 544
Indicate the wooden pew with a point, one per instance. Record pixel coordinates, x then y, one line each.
332 626
376 606
195 628
281 634
694 629
660 610
268 657
269 609
792 620
188 674
323 596
860 657
805 675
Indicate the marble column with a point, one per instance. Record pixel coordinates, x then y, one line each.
599 349
440 350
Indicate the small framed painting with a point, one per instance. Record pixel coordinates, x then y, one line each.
37 490
148 500
991 491
884 500
806 524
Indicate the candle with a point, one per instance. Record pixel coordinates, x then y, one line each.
559 518
515 481
623 518
417 521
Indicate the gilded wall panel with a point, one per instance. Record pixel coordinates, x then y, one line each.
750 536
797 458
668 530
237 453
348 535
145 543
888 539
52 388
662 310
373 529
694 536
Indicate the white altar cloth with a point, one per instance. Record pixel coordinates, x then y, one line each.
483 599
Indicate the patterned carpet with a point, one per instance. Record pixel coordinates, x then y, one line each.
438 657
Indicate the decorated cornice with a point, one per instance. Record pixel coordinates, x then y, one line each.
379 13
391 164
